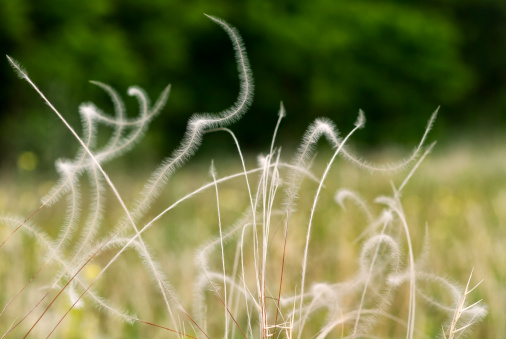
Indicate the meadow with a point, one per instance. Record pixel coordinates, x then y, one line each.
457 193
287 244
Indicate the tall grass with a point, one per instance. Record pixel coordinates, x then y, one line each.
255 276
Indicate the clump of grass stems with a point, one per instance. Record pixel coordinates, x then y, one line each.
257 296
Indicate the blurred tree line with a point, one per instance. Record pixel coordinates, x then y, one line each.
397 60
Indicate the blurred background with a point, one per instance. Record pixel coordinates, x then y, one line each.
396 60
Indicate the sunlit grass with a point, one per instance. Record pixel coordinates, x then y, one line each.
458 193
256 251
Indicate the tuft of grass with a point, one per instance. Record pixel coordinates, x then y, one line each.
255 277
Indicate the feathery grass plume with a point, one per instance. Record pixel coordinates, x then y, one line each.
372 167
198 124
119 144
245 283
201 122
358 124
320 127
191 140
162 284
18 69
89 110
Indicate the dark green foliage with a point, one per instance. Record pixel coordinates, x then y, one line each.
395 60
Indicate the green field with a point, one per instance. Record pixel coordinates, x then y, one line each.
313 243
457 194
